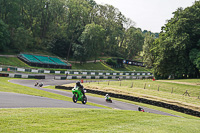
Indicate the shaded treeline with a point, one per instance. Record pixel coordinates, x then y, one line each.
68 28
177 50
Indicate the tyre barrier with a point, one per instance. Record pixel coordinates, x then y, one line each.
141 100
39 76
4 75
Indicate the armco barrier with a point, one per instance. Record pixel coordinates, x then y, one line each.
79 72
109 77
141 100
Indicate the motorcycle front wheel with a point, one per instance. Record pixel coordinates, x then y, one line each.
74 98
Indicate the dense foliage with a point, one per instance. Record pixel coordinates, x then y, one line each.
177 50
68 28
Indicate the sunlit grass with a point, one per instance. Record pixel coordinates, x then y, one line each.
159 91
92 120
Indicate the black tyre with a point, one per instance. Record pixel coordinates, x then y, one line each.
84 100
74 98
109 100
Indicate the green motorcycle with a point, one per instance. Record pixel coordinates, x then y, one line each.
78 95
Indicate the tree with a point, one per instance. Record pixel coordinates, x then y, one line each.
4 36
177 47
149 49
22 40
80 53
134 42
93 38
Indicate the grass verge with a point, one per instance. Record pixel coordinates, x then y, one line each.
92 120
12 61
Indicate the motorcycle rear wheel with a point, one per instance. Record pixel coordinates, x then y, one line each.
84 101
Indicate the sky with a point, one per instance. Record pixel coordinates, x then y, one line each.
148 15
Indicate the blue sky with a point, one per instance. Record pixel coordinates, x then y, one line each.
148 14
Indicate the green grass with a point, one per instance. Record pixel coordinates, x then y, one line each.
195 81
6 86
92 120
136 68
139 104
12 61
89 66
151 91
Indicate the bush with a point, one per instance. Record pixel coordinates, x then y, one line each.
111 62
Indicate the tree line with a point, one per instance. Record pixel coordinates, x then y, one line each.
177 50
68 28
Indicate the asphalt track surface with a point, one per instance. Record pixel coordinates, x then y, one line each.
13 100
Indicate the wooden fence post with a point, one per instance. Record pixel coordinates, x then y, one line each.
158 87
172 90
144 85
132 85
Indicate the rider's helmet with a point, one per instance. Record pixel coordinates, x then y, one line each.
107 95
78 83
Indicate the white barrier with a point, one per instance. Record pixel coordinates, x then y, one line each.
34 71
11 75
46 71
24 76
21 69
57 72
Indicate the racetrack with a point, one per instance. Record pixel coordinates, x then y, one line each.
15 100
65 104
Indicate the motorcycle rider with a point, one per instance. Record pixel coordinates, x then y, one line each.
41 84
78 84
36 83
140 109
107 97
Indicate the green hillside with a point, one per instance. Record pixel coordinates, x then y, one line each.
14 61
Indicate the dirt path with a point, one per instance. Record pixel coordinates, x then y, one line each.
185 83
8 55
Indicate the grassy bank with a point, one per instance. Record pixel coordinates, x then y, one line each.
12 61
89 66
92 120
154 90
